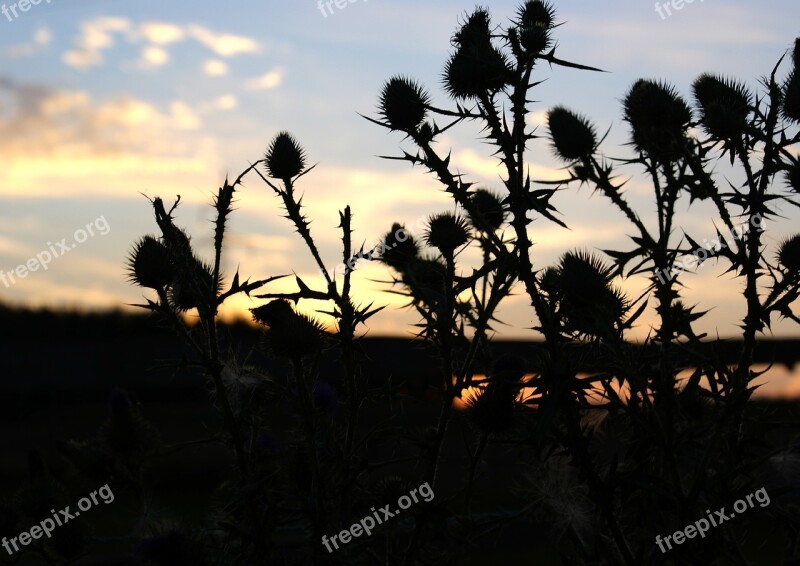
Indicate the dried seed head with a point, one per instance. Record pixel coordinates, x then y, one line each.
402 104
447 232
658 117
488 210
149 264
573 136
400 248
789 254
285 157
724 104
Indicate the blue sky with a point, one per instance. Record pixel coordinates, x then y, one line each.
101 101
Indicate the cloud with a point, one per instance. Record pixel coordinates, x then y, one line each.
221 103
266 81
57 142
224 45
96 36
215 68
41 38
153 56
226 102
161 33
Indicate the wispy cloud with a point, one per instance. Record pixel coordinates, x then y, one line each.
266 81
154 56
215 68
56 140
41 38
161 33
96 36
224 44
100 34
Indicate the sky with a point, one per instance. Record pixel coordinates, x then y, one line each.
104 104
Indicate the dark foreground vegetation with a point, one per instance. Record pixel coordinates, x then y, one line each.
579 447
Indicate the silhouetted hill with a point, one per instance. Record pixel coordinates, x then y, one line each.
45 352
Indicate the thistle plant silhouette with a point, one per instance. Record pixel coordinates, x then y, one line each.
311 462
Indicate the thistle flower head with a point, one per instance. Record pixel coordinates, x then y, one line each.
791 96
549 281
149 264
535 19
724 104
492 409
573 136
291 335
658 117
488 210
791 90
793 177
589 303
475 31
477 66
285 157
789 254
447 232
536 13
474 70
402 104
582 274
193 285
400 248
425 278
